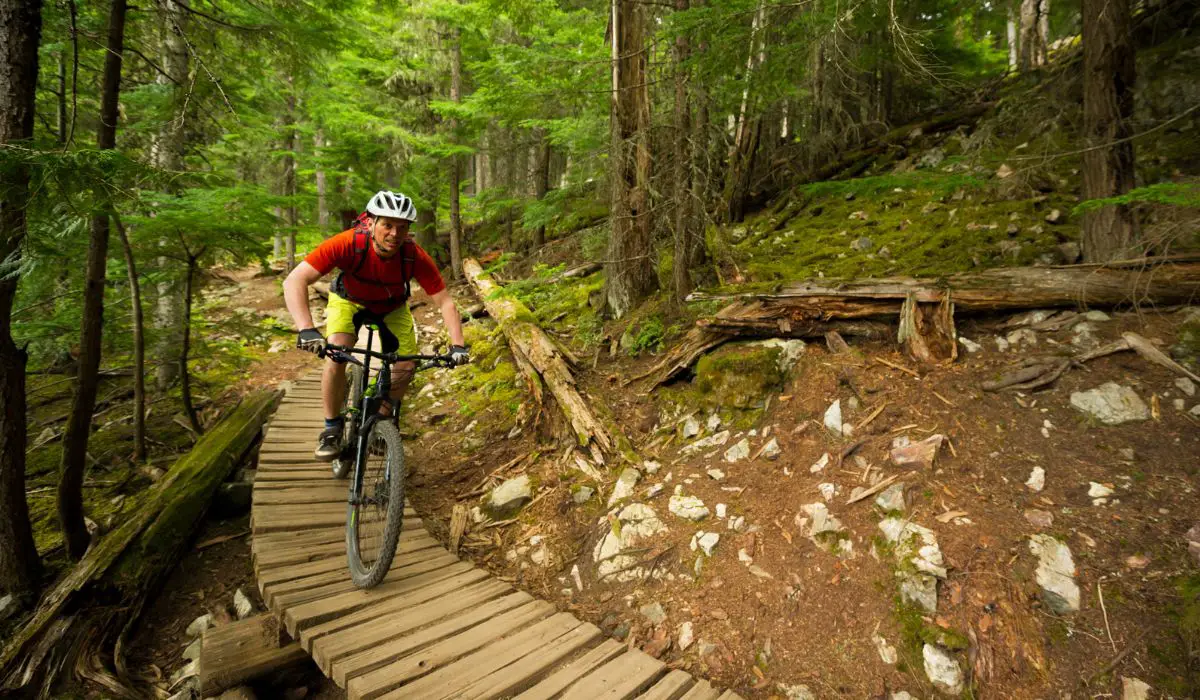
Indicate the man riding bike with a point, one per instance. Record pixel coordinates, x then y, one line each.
377 260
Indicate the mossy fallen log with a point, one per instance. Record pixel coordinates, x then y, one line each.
83 622
541 360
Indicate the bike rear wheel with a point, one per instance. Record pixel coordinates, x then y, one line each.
350 422
373 524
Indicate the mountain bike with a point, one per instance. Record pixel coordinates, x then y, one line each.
371 446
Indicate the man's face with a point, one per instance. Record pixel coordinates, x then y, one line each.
389 234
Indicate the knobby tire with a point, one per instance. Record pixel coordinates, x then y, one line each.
367 574
354 392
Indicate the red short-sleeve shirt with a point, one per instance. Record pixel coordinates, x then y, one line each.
379 283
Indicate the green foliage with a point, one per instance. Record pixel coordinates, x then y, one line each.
1174 194
647 336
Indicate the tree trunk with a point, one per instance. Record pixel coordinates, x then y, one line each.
322 204
683 168
20 32
106 591
1043 32
1109 74
61 126
456 231
167 154
1027 45
629 270
289 177
185 383
79 427
542 360
426 228
1011 34
139 345
541 181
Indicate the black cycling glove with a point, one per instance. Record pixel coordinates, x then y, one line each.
459 355
311 340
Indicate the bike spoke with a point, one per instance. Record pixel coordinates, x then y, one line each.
372 510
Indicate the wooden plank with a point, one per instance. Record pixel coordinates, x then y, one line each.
260 485
350 599
268 576
304 553
318 494
340 582
673 686
530 668
330 574
703 690
312 474
241 651
539 639
272 541
414 665
571 672
729 695
400 630
620 679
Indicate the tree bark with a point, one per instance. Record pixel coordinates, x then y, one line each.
426 227
167 154
629 270
79 427
456 230
139 346
682 259
20 33
1011 35
1109 74
541 181
322 203
107 590
289 178
1027 26
185 382
534 350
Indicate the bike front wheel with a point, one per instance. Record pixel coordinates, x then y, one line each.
373 521
350 422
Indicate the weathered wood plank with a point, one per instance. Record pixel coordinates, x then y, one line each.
560 630
272 575
530 668
673 686
620 679
573 671
334 585
703 690
402 670
240 652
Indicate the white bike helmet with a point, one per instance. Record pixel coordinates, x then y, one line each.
393 205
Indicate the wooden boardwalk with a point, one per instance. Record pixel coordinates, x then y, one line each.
435 627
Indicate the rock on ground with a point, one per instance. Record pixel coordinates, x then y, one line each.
686 636
833 417
654 613
705 542
892 498
796 692
1055 573
1193 543
583 494
1134 689
738 452
1111 404
507 499
197 627
789 351
242 604
916 548
638 521
942 669
906 453
1037 479
770 450
715 440
688 508
624 487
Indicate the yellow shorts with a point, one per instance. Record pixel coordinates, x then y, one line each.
397 331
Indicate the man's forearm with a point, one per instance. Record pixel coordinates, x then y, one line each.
295 295
453 321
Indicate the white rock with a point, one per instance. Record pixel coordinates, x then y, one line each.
917 548
721 508
197 627
192 652
744 557
820 464
539 556
1096 490
715 440
638 522
654 613
509 497
790 351
1186 385
582 495
887 652
1022 336
892 498
771 449
686 636
828 490
833 417
942 669
738 452
905 453
1055 573
625 485
575 576
705 542
970 345
796 692
1111 403
688 508
655 490
242 604
1036 480
1195 411
691 427
738 522
1134 689
651 467
901 695
1096 315
714 422
1179 404
1001 344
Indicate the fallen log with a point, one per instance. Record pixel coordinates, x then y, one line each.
1036 373
82 624
540 360
579 271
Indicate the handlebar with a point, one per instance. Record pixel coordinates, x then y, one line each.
345 354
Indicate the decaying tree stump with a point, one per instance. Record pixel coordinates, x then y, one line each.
82 624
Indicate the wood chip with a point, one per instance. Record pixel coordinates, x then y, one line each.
893 365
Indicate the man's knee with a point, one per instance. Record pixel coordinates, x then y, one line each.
402 372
